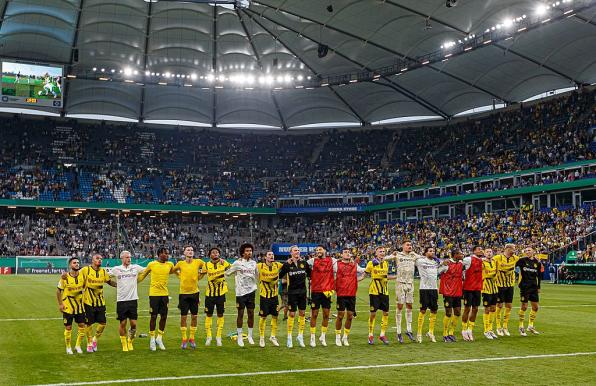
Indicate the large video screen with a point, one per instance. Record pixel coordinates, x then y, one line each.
32 84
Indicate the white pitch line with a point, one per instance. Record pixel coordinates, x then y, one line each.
232 314
323 369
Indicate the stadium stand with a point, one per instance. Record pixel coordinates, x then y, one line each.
97 163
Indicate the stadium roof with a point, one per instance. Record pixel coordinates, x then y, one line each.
262 63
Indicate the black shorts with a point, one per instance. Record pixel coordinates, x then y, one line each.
268 306
215 302
452 301
529 295
489 299
297 302
346 303
246 301
472 298
158 305
189 303
127 310
68 318
319 299
429 299
379 302
505 295
95 314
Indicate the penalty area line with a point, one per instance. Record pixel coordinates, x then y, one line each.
324 369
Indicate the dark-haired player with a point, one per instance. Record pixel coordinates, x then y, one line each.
160 271
346 284
247 278
530 271
451 288
215 295
322 287
70 302
269 302
472 291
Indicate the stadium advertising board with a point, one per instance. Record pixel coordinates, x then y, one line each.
283 249
40 271
32 84
322 209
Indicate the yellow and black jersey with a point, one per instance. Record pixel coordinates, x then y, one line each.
189 275
216 279
94 281
506 270
268 279
160 275
72 293
489 274
378 273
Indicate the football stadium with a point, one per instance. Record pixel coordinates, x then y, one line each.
269 192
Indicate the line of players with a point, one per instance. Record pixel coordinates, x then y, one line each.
481 275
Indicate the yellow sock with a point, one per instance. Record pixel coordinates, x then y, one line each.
80 336
420 322
262 323
324 329
313 330
183 333
384 323
89 334
124 342
453 324
160 333
485 318
99 331
499 313
464 325
301 323
493 316
208 324
220 326
273 326
522 318
152 334
193 332
506 317
337 332
471 325
290 325
431 323
346 332
67 338
532 318
371 326
446 321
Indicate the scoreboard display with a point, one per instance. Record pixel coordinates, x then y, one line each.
32 84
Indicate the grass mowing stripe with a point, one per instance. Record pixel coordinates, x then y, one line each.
324 369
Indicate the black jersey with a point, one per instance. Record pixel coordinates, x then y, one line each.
297 274
530 273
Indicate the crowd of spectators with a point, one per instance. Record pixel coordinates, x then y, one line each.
39 159
41 233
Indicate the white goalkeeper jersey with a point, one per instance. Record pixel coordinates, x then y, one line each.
428 270
247 276
126 279
405 264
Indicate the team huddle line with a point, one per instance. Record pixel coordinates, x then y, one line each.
480 278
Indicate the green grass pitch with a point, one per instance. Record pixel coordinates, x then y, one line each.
32 351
